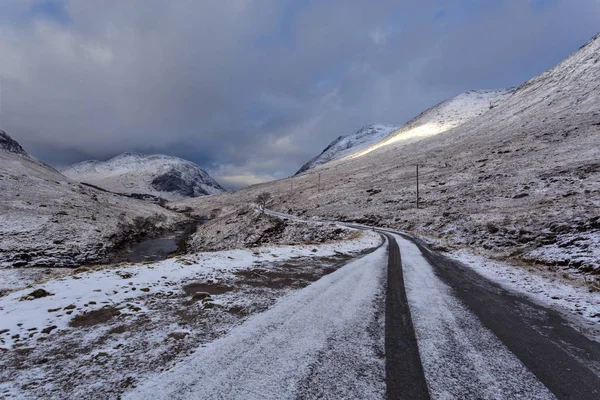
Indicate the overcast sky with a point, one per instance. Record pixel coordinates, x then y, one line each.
251 89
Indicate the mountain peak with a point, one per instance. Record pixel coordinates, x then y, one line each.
159 175
347 145
9 144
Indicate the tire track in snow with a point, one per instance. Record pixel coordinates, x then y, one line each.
403 369
461 358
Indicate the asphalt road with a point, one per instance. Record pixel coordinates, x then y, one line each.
552 352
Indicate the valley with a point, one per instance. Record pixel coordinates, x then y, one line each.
454 256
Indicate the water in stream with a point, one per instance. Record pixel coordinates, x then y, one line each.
156 249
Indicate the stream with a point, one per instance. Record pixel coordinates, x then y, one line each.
157 248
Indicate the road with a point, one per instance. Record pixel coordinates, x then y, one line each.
403 322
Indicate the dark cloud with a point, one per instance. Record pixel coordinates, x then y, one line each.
251 89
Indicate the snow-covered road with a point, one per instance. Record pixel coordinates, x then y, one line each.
325 340
461 358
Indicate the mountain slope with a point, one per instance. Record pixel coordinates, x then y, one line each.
521 181
444 116
48 220
347 145
170 178
440 118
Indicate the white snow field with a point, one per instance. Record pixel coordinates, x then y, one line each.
170 178
274 354
461 358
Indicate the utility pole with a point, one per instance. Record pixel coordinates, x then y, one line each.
319 182
417 186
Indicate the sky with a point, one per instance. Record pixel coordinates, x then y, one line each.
252 89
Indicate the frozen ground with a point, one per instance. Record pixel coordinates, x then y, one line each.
245 226
326 340
98 332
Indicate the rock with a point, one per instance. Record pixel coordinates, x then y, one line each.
520 195
3 331
124 275
145 289
70 307
200 296
39 293
49 329
178 335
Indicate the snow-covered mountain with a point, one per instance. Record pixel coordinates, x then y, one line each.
350 144
520 181
440 118
47 219
443 117
167 177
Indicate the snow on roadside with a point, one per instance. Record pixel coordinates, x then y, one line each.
547 290
119 286
272 355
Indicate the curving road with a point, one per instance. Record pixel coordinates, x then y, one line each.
403 322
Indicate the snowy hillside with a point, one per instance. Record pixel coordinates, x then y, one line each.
347 145
49 220
440 118
443 117
170 178
518 182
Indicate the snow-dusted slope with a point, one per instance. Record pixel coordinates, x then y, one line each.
443 117
440 118
350 144
170 178
49 220
8 144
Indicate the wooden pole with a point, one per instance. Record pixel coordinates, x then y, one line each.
417 186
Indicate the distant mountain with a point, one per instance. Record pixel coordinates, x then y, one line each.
167 177
350 144
47 219
440 118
